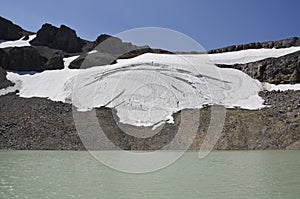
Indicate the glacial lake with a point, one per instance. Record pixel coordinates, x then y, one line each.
222 174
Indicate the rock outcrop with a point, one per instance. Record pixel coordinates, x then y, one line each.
63 38
108 49
28 59
285 69
10 31
140 51
95 59
284 43
4 82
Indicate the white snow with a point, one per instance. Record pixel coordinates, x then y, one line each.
281 87
148 89
92 52
250 55
17 43
68 60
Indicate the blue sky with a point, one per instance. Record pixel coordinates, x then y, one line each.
212 23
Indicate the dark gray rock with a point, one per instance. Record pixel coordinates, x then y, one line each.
286 102
50 52
284 43
24 59
95 59
3 57
285 69
114 45
109 49
10 31
140 51
63 38
28 59
4 82
54 63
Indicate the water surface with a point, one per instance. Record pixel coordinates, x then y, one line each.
223 174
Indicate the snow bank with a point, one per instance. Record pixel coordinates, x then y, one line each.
17 43
148 89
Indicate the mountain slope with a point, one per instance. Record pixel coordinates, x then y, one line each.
146 91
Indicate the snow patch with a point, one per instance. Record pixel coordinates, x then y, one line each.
281 87
17 43
68 60
92 52
250 55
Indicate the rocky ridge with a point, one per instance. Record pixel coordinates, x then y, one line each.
284 43
52 44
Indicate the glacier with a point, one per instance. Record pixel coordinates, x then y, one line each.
148 89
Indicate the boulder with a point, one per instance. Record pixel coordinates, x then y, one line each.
95 59
54 63
113 45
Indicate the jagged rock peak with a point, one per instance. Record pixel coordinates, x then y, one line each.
62 38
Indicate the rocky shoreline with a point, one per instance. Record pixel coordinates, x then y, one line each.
41 124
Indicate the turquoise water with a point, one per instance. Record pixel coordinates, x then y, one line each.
223 174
